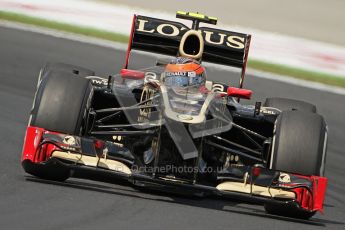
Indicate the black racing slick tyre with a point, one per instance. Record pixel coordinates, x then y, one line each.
62 67
299 143
61 103
298 146
285 104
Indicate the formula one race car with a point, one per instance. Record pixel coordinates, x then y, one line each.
170 127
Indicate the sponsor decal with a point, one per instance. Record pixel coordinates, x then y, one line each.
232 41
163 29
217 88
150 77
185 117
144 114
69 140
176 74
268 111
211 36
284 178
181 74
98 80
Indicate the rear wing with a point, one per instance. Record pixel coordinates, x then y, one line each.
163 37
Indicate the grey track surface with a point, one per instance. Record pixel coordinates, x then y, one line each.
29 203
313 19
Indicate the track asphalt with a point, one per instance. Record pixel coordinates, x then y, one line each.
30 203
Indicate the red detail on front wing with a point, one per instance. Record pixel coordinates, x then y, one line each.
32 140
320 185
312 200
32 150
309 198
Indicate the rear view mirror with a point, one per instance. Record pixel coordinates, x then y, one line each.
240 93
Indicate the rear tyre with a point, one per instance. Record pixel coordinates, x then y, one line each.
61 104
298 146
285 104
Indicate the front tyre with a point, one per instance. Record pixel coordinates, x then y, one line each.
61 104
285 104
299 147
299 143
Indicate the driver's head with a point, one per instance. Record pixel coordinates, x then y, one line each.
182 72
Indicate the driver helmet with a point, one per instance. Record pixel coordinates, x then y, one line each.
184 72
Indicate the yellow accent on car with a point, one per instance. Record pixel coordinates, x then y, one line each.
181 12
196 15
213 18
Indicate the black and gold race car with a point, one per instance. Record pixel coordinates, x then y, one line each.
200 141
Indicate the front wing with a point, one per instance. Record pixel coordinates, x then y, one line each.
45 152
